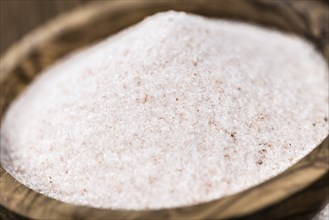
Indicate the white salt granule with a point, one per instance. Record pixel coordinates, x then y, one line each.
173 111
323 215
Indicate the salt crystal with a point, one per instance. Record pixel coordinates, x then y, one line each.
174 111
323 214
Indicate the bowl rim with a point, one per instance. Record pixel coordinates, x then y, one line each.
296 178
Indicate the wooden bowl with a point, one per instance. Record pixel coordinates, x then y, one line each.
297 193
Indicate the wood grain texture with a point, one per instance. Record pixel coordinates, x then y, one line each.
295 194
17 17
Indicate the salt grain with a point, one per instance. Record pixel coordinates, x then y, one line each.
173 111
323 214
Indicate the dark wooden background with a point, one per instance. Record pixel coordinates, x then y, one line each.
17 17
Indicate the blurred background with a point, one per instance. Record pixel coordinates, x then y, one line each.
17 17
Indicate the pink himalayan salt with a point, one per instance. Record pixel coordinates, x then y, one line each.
176 110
